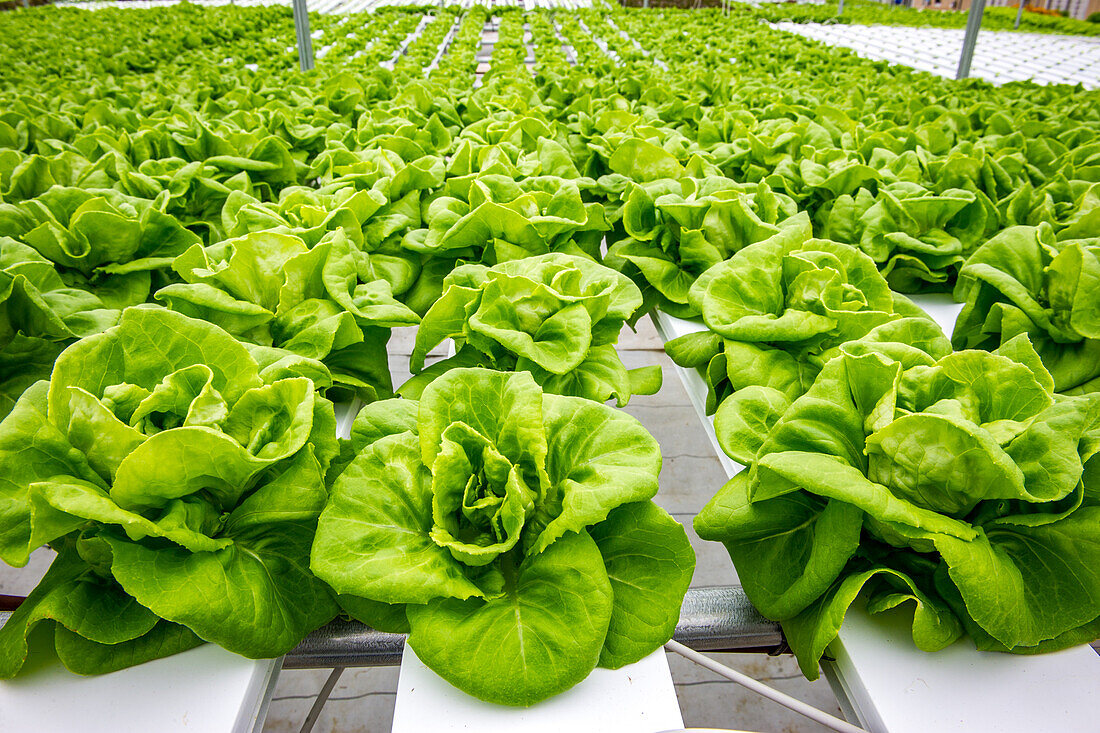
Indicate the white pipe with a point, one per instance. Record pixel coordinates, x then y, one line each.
829 721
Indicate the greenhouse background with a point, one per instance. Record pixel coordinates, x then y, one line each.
373 365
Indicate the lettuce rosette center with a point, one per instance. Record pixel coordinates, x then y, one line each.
480 500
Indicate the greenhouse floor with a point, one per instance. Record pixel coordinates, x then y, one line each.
363 700
999 57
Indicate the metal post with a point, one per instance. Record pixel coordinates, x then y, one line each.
305 41
973 25
26 3
840 8
1019 14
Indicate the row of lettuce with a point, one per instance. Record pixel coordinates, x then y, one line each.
199 258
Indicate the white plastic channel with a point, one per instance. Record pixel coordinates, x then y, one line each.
206 689
627 37
444 46
424 20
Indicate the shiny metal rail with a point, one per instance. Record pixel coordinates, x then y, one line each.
712 619
344 643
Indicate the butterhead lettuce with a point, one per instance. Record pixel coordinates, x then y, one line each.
1025 280
180 485
678 229
557 316
509 531
907 478
112 244
778 311
289 300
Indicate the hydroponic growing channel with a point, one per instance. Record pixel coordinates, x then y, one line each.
325 368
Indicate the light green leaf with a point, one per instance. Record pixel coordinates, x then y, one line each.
31 449
597 459
256 598
787 550
541 637
649 562
373 538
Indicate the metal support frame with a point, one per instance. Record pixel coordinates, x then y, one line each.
305 41
840 8
970 40
711 619
1019 15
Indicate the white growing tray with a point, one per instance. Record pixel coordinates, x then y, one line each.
206 689
639 697
887 685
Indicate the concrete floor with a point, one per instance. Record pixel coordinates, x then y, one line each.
363 700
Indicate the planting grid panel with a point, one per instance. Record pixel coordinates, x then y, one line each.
999 57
